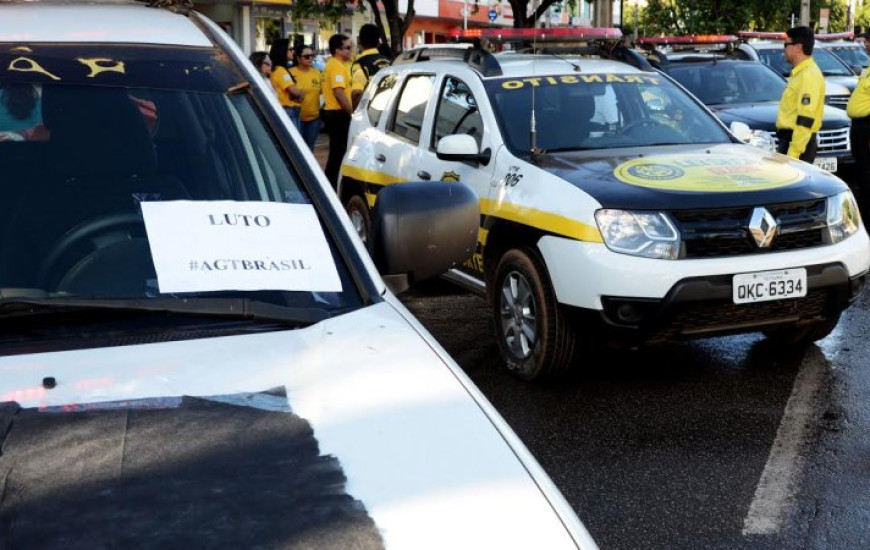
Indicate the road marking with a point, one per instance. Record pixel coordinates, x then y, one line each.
777 485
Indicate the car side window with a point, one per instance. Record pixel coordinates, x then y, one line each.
408 118
384 90
457 112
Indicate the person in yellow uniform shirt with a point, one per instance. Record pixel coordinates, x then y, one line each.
858 110
309 81
336 103
803 100
289 95
368 62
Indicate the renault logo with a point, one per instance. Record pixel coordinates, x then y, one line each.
763 227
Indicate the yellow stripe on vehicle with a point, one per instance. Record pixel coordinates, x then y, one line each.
553 223
369 176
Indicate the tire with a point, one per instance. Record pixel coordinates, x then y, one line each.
358 211
802 336
534 335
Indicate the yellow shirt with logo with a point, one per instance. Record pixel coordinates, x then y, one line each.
358 74
802 105
336 78
859 101
309 82
282 81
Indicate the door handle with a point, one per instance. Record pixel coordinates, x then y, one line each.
380 157
424 175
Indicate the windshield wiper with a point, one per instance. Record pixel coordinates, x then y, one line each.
228 308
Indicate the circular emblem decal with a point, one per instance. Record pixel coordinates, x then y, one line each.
709 172
655 171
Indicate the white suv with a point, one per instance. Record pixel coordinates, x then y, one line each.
614 206
181 296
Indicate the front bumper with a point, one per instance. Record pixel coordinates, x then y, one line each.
700 307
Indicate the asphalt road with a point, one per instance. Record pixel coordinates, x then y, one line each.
723 443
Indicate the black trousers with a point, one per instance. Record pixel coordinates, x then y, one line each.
784 138
337 126
859 136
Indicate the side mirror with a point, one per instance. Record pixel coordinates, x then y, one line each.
741 131
461 147
857 69
421 229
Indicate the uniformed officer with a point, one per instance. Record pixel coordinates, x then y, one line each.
368 62
336 103
858 110
803 101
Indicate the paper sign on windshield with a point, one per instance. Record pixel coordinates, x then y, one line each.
200 246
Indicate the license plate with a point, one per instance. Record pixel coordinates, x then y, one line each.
826 163
764 286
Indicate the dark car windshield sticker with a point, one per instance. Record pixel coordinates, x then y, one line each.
725 173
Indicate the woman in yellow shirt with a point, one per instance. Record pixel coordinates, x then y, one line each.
308 80
289 95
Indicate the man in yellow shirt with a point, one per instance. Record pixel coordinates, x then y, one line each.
803 100
368 62
858 110
336 103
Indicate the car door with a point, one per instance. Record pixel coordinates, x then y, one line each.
461 107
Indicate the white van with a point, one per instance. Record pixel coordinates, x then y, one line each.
196 349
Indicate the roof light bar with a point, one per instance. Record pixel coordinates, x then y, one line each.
690 39
557 34
836 36
767 35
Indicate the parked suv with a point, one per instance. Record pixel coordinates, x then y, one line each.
615 207
740 90
843 46
196 349
766 47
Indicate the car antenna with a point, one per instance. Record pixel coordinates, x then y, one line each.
533 131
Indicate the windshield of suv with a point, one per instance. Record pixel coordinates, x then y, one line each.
827 62
135 173
853 54
729 83
599 111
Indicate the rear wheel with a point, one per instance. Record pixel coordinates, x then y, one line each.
803 335
358 211
534 334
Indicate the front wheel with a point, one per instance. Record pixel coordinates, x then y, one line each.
358 211
534 334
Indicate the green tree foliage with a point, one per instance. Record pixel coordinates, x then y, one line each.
390 22
729 16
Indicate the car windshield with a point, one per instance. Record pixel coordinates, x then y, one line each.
827 62
150 173
599 111
729 83
853 54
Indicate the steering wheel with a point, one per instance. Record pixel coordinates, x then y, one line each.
84 239
629 128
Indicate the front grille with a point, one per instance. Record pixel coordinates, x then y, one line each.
724 232
838 101
830 141
696 318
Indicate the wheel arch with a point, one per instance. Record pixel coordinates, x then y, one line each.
502 236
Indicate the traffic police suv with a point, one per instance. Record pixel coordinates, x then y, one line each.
615 208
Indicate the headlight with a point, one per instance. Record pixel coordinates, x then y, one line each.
843 216
647 234
762 140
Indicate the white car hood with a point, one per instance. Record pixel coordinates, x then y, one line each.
417 450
